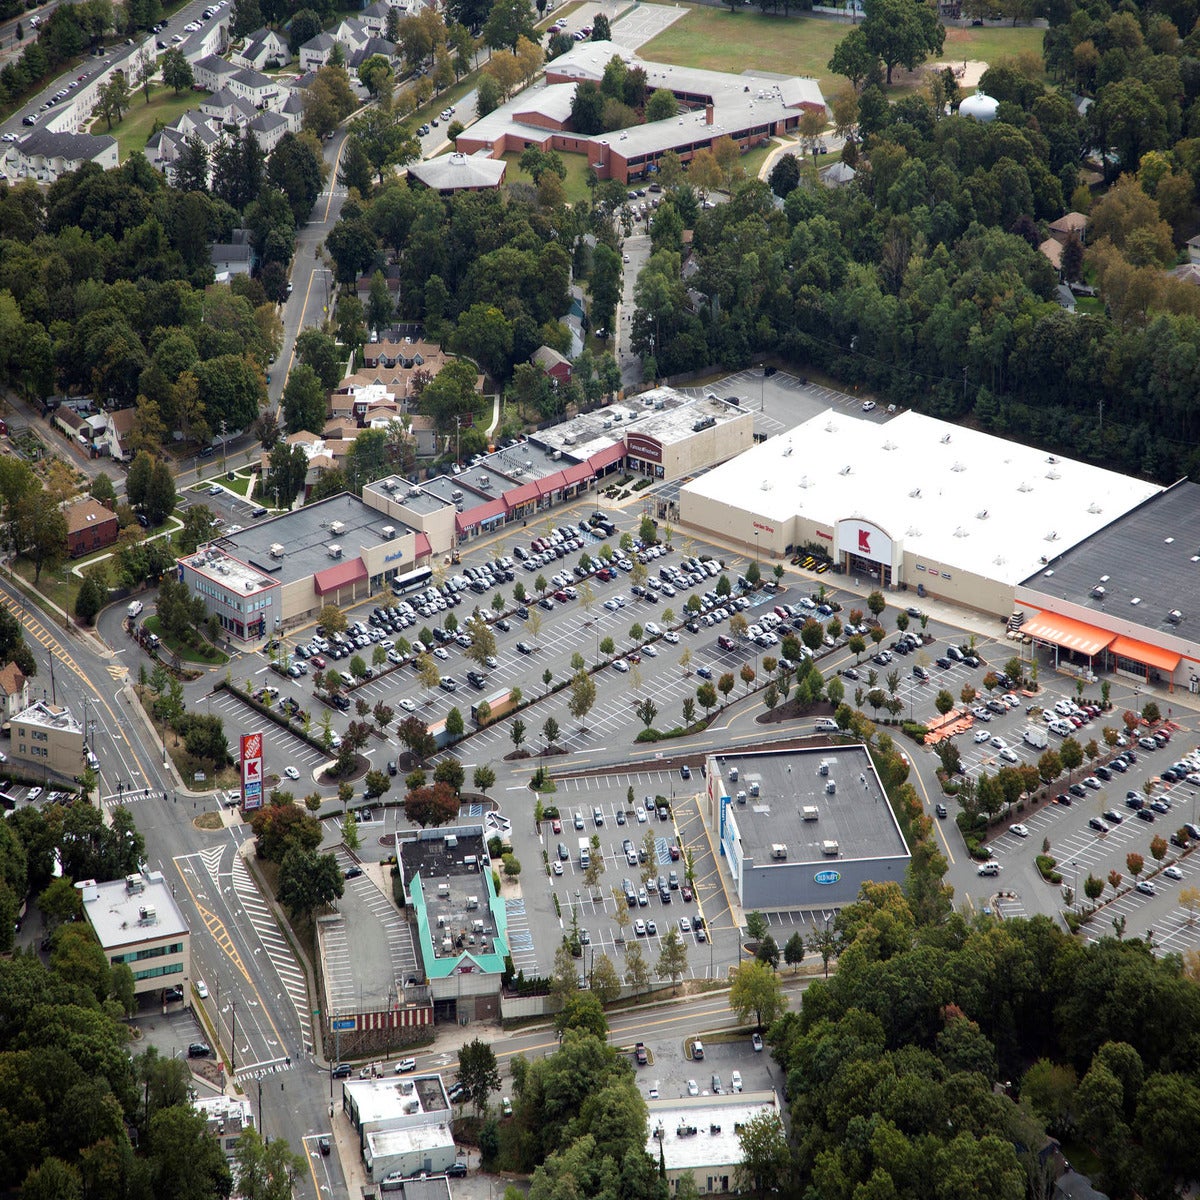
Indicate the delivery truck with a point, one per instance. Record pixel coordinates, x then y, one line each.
1035 736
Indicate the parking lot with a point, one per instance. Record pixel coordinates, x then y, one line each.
673 1074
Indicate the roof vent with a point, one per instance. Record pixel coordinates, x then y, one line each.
982 514
1052 536
1103 578
889 445
1053 474
1024 487
1051 459
1168 541
960 532
389 532
945 440
787 452
912 531
958 468
1174 617
845 470
915 494
999 560
1136 600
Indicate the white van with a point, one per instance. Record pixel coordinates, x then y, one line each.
135 609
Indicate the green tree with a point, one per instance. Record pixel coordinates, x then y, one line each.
308 880
673 960
266 1171
757 992
901 32
304 401
479 1073
766 1157
177 71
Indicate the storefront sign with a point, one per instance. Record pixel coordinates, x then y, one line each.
252 770
827 877
637 445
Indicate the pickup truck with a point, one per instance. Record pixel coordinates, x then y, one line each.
639 1053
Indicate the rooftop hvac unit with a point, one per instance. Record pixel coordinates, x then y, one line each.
484 481
472 903
568 439
443 890
249 585
606 423
779 850
337 527
830 849
556 455
830 787
451 841
1098 591
134 883
389 533
148 913
276 550
810 812
335 551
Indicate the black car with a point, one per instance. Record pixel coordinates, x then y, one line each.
353 872
1111 815
342 1071
199 1050
1144 814
1077 789
523 613
944 663
685 772
457 1170
524 648
919 672
324 1146
941 810
1063 799
849 673
503 625
1097 824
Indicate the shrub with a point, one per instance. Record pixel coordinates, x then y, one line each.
1045 866
915 730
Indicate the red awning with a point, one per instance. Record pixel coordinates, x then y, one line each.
577 473
1067 632
606 458
527 493
479 514
551 484
423 548
330 580
1143 652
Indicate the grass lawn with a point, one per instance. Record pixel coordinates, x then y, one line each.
192 654
60 586
239 484
137 125
718 40
575 184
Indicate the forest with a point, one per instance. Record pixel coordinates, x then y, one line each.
940 1058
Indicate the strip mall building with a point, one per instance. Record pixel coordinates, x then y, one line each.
1095 566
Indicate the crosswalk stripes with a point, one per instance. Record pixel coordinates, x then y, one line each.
212 857
116 670
278 951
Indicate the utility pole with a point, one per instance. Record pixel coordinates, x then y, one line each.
223 427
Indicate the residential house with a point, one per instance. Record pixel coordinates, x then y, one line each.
1069 223
375 16
212 72
1052 250
316 51
372 46
553 364
46 156
228 108
261 90
323 455
90 527
14 690
70 423
264 49
120 426
838 175
269 127
232 258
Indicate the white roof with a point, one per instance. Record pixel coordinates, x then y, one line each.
955 495
127 912
716 1120
459 171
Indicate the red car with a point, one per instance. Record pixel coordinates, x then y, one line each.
318 661
685 893
556 825
674 853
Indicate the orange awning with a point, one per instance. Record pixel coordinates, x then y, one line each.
1068 633
1143 652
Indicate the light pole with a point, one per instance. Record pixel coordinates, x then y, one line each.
762 389
756 548
1075 885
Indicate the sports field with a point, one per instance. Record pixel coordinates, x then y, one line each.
718 40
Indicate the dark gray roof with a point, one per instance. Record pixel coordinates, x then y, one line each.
72 146
1151 554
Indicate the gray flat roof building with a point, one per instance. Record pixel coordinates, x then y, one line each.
801 829
137 922
1124 598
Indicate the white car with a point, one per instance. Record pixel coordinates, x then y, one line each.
1172 872
620 665
671 637
649 651
407 705
34 793
639 927
558 867
981 736
693 1088
291 772
1009 755
438 652
201 989
736 1080
1022 831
